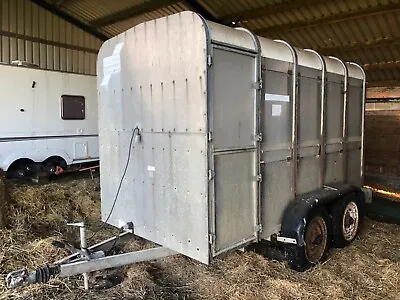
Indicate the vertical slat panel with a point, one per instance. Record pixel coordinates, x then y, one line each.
36 36
49 36
86 57
68 39
96 45
13 28
28 31
35 33
63 53
92 59
81 53
42 35
20 13
75 61
92 64
56 38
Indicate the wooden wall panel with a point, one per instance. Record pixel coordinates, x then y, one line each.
382 143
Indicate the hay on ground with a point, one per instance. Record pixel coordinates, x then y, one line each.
3 199
368 269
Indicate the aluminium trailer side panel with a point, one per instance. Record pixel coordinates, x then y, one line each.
334 125
354 128
324 154
275 148
309 98
154 76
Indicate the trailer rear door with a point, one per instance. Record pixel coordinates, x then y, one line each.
234 148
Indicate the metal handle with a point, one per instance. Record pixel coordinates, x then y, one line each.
83 252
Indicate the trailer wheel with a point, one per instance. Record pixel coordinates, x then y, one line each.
316 242
54 165
345 220
21 168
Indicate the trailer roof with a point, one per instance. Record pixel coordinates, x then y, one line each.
363 31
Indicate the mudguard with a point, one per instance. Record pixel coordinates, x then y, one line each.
295 215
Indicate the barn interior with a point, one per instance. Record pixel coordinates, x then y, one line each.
66 35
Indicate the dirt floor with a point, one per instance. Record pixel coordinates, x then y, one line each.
368 269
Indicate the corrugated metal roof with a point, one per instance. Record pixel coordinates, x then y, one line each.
364 31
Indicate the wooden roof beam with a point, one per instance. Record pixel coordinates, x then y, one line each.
387 83
383 93
131 12
60 3
382 66
197 7
269 10
384 42
336 18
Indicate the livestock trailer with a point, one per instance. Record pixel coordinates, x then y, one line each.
213 138
48 119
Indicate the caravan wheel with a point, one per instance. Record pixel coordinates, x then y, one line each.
21 168
54 165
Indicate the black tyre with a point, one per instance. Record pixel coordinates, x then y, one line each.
347 216
316 242
53 164
20 168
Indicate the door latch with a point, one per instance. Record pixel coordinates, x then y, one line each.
209 136
211 174
209 60
259 177
257 85
211 238
258 228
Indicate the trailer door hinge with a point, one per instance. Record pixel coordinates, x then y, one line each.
259 137
211 174
258 228
209 136
259 177
211 238
209 60
257 85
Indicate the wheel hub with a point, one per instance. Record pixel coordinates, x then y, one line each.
350 221
21 173
315 239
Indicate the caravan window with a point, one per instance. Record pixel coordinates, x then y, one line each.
72 107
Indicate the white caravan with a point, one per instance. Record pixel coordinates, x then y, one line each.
48 120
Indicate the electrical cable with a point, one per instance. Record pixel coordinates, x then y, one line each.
120 183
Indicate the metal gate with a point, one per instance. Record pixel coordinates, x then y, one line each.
234 148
